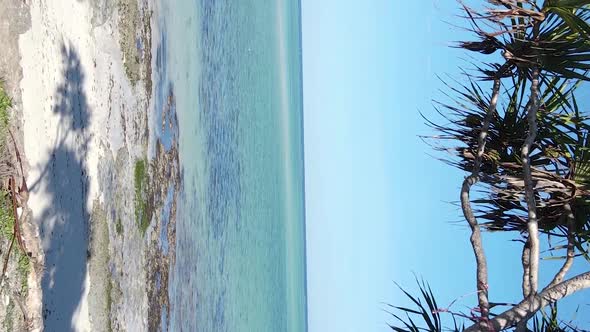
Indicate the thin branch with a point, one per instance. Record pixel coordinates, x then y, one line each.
532 224
17 233
476 243
18 158
570 247
531 305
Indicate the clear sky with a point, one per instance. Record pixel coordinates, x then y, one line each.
377 204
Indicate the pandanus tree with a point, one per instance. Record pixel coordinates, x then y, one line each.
527 144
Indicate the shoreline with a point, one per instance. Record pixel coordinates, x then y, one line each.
87 107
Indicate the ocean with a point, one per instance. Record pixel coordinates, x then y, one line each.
235 70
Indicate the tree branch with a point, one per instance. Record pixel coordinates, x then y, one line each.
532 224
476 243
570 247
526 280
526 261
520 327
531 305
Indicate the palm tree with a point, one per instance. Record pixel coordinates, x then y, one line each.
527 142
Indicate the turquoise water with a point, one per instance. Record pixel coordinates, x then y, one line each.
235 69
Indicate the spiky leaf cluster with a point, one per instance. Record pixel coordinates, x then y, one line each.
553 38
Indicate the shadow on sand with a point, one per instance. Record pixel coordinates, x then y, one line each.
64 224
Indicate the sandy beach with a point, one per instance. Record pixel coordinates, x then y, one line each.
86 90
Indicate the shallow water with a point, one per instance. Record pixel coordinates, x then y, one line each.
235 69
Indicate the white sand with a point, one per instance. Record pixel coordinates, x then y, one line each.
76 69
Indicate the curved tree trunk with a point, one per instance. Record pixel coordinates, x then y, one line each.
530 306
476 242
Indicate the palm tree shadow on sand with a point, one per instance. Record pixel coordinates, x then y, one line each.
64 223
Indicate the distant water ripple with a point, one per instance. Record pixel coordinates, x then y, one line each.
240 263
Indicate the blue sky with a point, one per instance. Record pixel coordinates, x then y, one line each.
377 204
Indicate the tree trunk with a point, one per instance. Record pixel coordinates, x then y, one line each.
530 306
